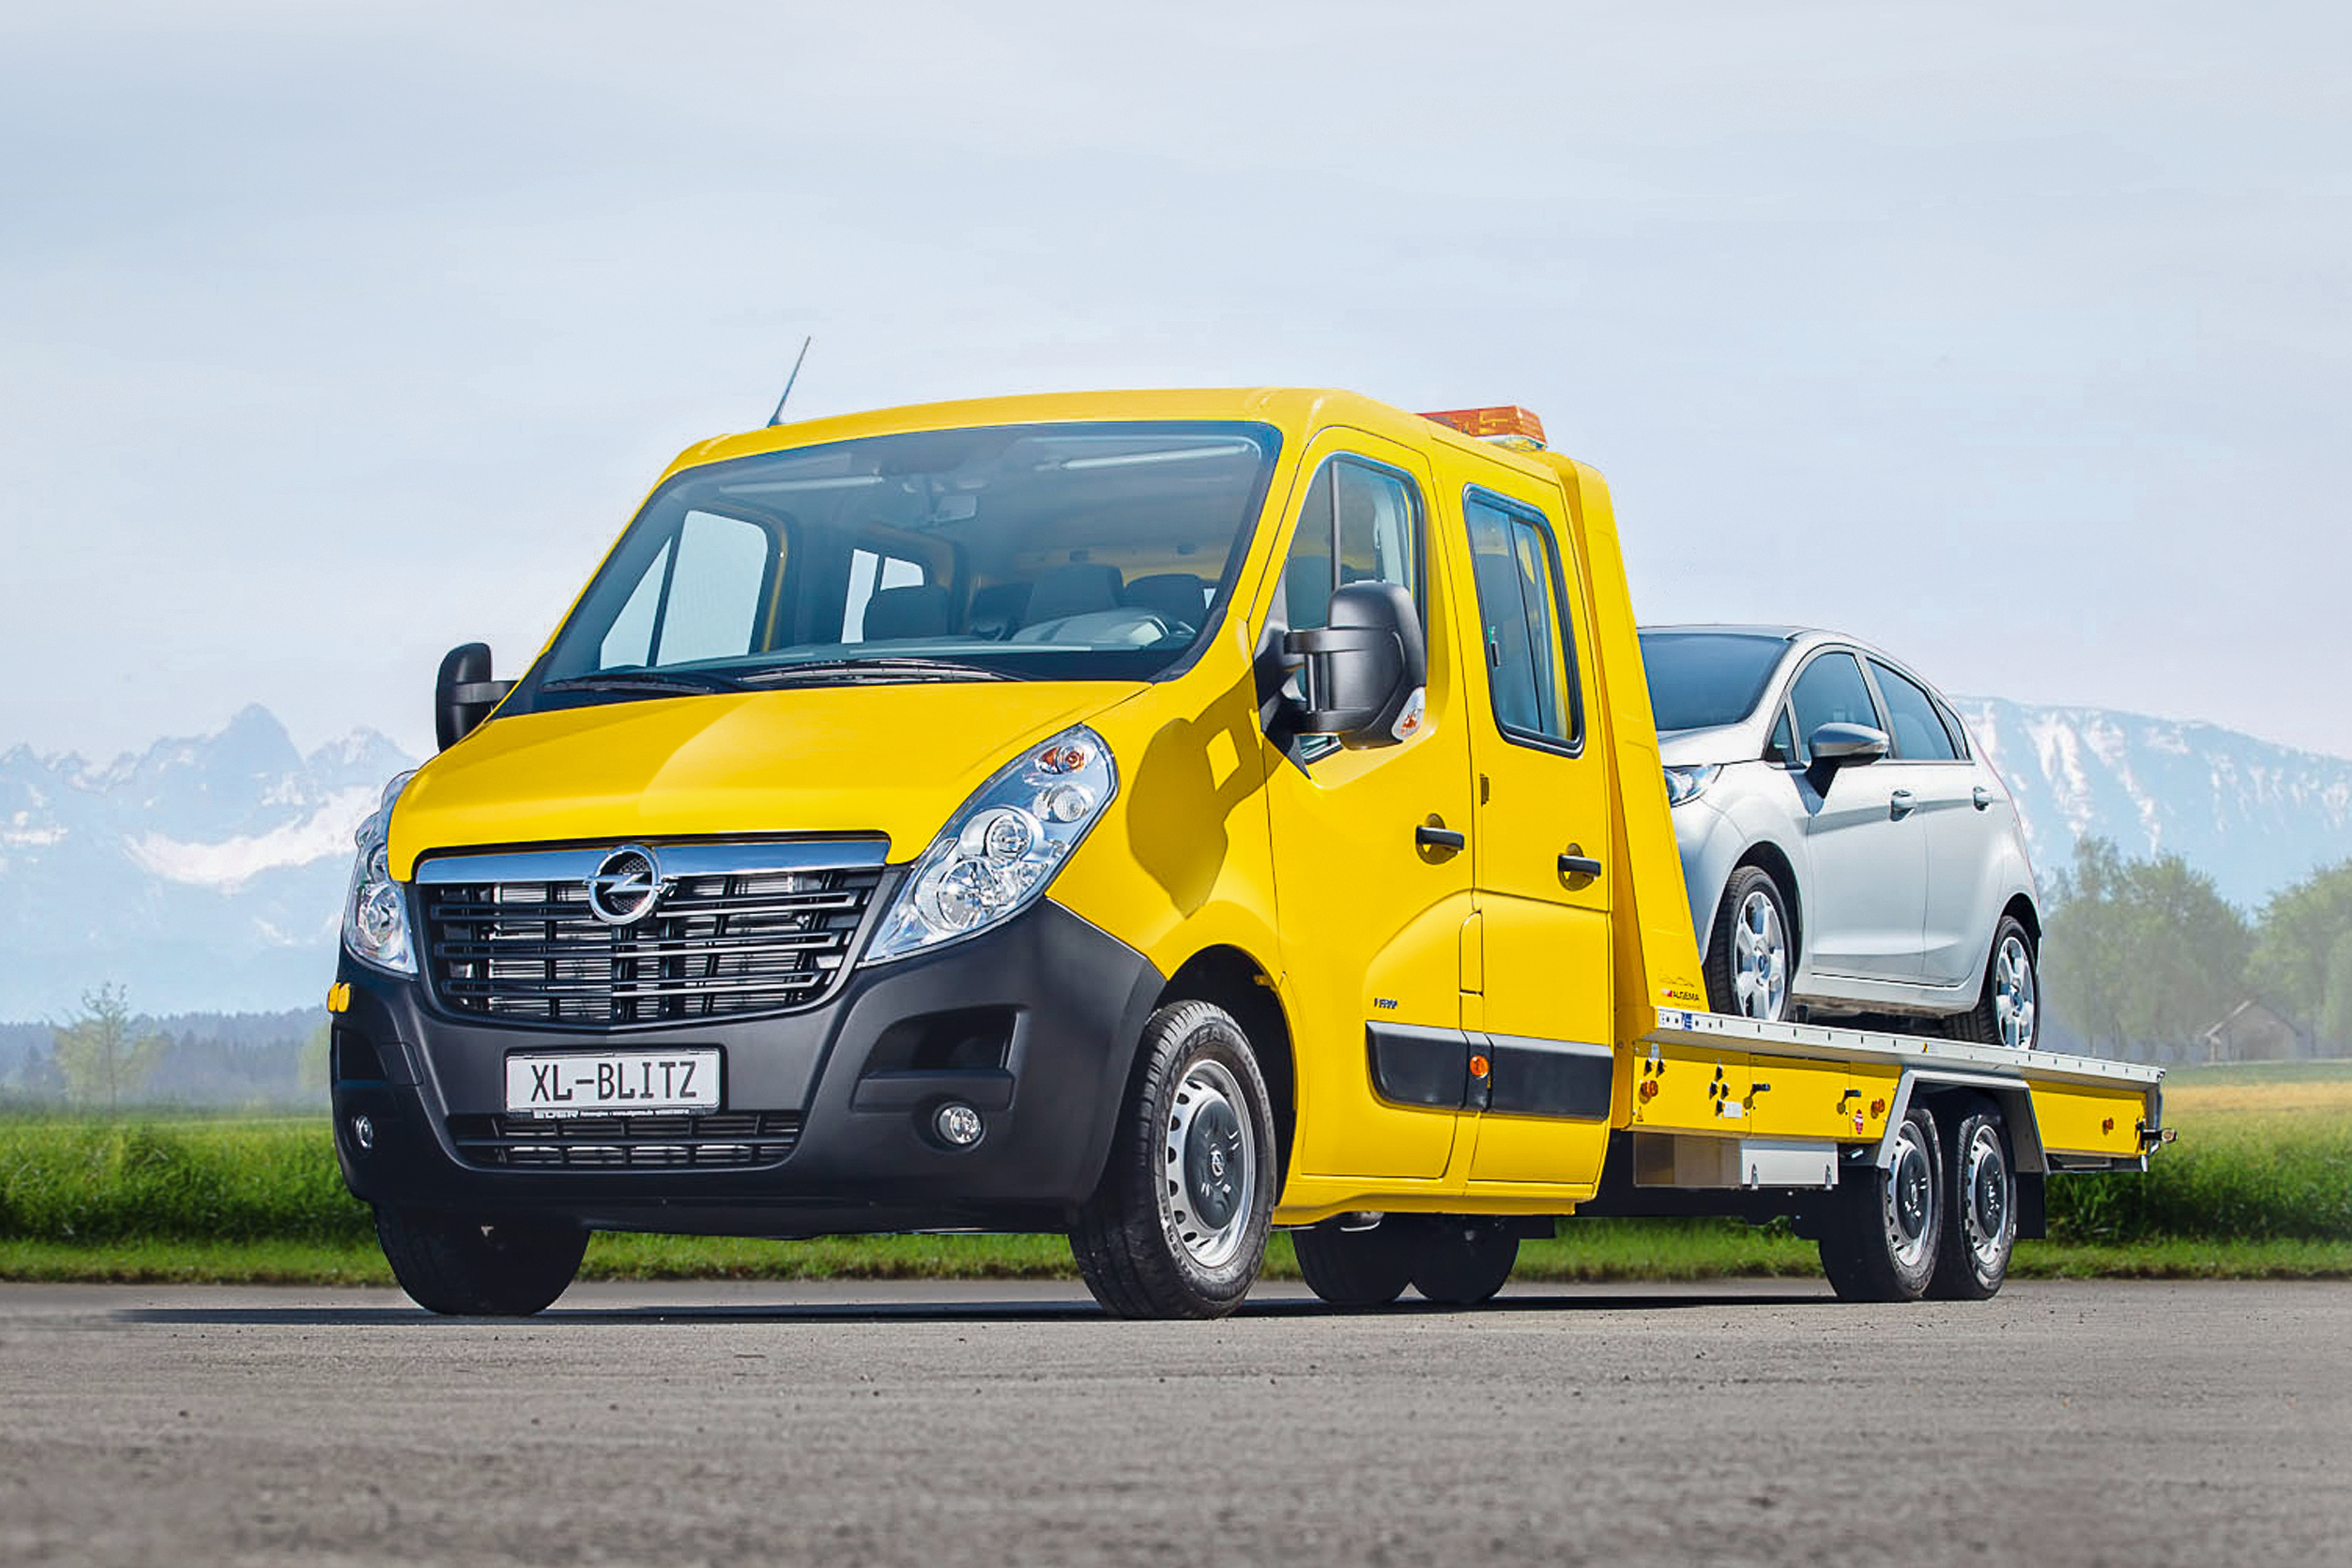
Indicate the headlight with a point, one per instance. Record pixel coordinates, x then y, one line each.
998 852
375 913
1687 784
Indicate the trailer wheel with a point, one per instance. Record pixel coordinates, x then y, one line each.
1751 956
1460 1261
1980 1219
462 1268
1883 1235
1177 1227
1355 1268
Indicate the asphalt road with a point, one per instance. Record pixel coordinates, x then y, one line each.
680 1424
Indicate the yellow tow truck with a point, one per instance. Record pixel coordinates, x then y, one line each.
1154 817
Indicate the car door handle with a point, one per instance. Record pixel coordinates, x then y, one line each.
1899 803
1573 864
1983 798
1430 835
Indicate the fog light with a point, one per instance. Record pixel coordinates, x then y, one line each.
363 1132
957 1124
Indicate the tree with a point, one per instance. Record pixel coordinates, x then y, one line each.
2303 952
99 1056
312 1074
2142 952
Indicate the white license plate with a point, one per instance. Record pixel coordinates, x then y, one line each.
602 1083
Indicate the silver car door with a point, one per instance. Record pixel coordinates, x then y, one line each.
1861 910
1964 847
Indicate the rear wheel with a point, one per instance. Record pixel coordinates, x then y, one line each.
466 1269
1459 1261
1355 1268
1980 1215
1177 1227
1885 1229
1750 955
2008 1007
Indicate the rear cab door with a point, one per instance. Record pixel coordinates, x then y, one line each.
1956 824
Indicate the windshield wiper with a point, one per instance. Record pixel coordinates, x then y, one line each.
647 683
831 671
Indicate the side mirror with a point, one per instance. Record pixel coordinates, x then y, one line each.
1364 674
464 693
1846 745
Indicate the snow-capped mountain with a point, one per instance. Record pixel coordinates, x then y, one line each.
204 873
208 872
2252 815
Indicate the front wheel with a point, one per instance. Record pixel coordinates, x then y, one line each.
1750 955
463 1267
1886 1227
1178 1226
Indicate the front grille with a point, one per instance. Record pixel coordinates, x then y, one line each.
720 1139
720 941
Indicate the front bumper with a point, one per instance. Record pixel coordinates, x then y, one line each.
1065 1000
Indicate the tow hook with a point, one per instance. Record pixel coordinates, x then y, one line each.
2151 1136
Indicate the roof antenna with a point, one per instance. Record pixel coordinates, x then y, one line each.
777 418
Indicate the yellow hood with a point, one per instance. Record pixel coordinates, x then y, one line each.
894 760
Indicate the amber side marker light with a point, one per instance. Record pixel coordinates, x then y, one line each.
1506 425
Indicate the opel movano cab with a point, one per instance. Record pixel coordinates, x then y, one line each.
1149 817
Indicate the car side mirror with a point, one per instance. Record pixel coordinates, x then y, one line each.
464 693
1846 745
1364 674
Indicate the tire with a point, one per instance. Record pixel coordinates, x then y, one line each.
1178 1226
1885 1234
1459 1261
463 1267
1980 1210
1355 1268
2008 1006
1752 951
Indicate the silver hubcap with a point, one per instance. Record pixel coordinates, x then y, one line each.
1760 957
1986 1181
2013 999
1910 1199
1210 1166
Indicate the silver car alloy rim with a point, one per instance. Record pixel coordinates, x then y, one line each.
1985 1180
1209 1166
2013 1002
1910 1199
1760 957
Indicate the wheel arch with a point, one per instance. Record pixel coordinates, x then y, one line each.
1771 857
1233 979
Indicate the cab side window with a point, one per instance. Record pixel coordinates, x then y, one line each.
1523 620
700 597
1361 524
1831 691
1911 718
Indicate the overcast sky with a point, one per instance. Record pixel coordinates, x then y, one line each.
2014 340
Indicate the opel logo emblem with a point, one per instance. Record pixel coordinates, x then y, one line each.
625 886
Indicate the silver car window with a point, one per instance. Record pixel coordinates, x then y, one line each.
1911 718
1831 691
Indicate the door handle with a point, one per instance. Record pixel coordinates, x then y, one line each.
1899 803
1983 798
1573 864
1430 835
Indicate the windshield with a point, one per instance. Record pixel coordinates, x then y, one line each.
1699 679
1068 551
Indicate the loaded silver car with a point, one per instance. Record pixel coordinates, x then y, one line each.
1846 849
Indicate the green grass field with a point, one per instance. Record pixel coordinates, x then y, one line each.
2260 1185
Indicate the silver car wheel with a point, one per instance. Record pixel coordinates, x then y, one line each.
1209 1163
1760 957
2013 994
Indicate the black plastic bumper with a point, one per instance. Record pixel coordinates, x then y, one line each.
1068 1001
